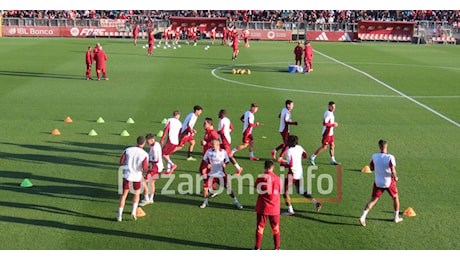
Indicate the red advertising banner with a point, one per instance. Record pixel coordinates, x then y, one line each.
278 35
373 30
331 36
46 31
204 24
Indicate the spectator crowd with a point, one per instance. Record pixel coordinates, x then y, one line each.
451 17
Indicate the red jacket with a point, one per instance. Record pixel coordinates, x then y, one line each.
268 186
100 59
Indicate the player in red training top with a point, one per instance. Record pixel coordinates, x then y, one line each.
89 62
248 120
308 57
246 37
235 47
268 185
285 122
224 36
134 161
213 35
192 35
298 51
177 33
136 33
100 57
209 134
151 42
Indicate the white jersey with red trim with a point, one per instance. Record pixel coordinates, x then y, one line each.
174 126
285 116
217 159
294 157
226 127
382 168
189 123
155 156
134 160
328 118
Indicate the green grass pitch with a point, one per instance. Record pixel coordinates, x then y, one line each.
407 94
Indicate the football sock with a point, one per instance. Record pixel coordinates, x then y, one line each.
313 156
251 154
135 205
363 216
120 212
151 196
235 200
332 158
290 209
397 214
237 166
234 150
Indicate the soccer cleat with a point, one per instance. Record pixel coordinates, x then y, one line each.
134 217
239 171
106 78
288 213
238 205
191 159
362 222
254 158
172 169
312 161
213 195
335 163
281 160
145 202
203 205
119 219
98 78
318 206
273 154
397 220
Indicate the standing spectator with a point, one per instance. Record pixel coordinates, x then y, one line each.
267 207
134 161
172 129
294 155
216 160
285 122
385 180
156 160
308 57
248 120
328 134
298 51
100 57
89 62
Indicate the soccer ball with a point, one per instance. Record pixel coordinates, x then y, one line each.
249 72
238 71
164 47
243 71
174 47
178 46
234 71
143 47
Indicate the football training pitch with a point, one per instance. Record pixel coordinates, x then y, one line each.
406 94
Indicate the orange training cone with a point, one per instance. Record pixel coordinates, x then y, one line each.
56 132
409 212
140 212
68 120
366 169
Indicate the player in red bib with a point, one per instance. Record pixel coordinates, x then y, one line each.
268 185
89 62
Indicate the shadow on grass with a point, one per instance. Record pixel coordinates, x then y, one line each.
123 234
71 150
39 75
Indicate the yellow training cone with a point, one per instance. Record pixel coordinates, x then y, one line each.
409 212
140 212
366 169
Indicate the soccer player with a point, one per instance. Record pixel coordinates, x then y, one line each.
100 57
136 33
248 120
235 47
224 129
135 161
156 161
89 62
385 179
213 35
192 35
216 160
224 36
177 36
209 134
308 57
328 134
268 185
285 122
294 155
172 129
298 51
246 38
151 42
188 131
